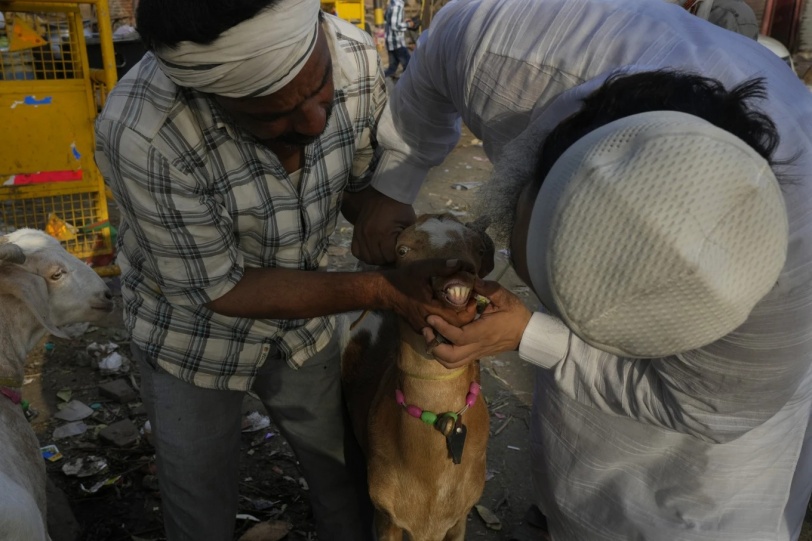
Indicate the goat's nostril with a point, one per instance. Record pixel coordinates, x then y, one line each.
108 295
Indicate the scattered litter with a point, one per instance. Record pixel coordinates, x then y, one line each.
51 453
118 390
490 371
150 482
505 252
84 466
147 428
75 330
261 504
480 159
107 359
114 363
49 348
499 415
246 516
96 487
465 185
255 421
503 425
489 475
60 229
121 434
491 520
303 483
476 142
29 411
69 429
64 395
513 447
272 530
73 411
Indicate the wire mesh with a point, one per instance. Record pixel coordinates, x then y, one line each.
85 235
60 56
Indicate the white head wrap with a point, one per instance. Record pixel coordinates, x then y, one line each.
656 234
254 58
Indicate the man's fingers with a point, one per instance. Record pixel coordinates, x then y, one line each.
452 356
441 326
486 288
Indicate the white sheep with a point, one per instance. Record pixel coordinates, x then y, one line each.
42 288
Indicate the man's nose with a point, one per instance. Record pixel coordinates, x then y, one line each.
310 119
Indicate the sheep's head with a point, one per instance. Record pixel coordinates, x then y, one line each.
58 288
444 236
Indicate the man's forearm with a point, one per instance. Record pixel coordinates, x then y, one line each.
294 294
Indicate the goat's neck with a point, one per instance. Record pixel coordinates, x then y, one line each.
19 333
424 381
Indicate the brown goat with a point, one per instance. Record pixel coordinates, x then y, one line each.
425 472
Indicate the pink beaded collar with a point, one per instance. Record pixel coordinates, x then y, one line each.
429 417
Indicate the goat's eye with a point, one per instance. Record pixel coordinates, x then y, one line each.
403 250
57 274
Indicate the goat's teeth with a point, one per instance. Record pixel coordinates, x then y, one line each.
458 294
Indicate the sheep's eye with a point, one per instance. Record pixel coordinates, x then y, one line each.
57 274
403 250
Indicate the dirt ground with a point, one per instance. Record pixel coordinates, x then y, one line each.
126 506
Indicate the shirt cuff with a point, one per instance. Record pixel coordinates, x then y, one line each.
396 178
545 342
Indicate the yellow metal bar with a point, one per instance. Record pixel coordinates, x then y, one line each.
47 5
378 17
72 7
106 42
109 270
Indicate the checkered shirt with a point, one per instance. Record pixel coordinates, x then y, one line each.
395 25
201 201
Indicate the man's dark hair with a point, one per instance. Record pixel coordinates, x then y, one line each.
165 23
665 90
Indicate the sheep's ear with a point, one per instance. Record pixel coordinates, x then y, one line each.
10 253
31 290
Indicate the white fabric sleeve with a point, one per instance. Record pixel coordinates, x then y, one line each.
717 393
421 124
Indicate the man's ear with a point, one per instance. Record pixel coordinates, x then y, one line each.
31 290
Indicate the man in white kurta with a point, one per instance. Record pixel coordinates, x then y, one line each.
707 444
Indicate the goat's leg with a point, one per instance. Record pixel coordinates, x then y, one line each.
457 532
386 529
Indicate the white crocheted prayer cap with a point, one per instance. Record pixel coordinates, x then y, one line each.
656 234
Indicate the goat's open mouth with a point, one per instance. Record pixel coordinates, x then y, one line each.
457 294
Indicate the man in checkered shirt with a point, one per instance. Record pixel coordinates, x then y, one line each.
230 149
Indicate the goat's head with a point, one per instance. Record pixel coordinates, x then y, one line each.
58 288
444 236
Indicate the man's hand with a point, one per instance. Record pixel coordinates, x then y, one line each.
500 328
378 221
412 297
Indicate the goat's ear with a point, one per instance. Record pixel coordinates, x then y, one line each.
31 290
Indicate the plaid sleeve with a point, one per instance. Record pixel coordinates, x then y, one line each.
360 176
184 237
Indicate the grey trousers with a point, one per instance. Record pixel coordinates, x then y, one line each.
196 432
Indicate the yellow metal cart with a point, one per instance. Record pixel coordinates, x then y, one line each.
353 11
49 100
